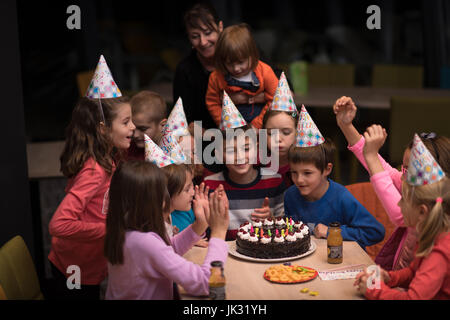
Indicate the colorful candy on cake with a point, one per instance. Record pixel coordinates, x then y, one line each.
273 238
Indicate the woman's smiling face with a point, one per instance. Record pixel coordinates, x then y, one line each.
203 38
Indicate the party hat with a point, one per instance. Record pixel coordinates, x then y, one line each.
423 169
102 84
308 135
154 154
170 147
177 123
282 100
231 117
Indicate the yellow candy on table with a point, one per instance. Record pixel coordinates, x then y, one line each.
304 290
314 293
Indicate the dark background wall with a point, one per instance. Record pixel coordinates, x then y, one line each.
15 210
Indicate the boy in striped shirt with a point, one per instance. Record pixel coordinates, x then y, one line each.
251 195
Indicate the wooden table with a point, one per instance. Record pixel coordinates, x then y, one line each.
364 97
245 279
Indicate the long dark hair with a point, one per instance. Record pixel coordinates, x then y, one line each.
84 137
137 199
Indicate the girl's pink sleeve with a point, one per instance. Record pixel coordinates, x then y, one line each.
184 241
66 222
389 196
192 277
387 184
423 284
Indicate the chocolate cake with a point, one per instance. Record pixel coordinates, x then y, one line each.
269 239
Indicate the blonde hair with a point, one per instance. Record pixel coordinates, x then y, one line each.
438 217
151 103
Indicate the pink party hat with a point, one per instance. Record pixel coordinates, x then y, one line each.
177 123
170 147
308 135
423 169
231 117
154 154
282 100
103 85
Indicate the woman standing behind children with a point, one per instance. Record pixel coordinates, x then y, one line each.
143 261
398 251
425 205
98 130
242 75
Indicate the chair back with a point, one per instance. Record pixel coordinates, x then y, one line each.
331 75
18 276
415 115
83 81
364 193
2 294
397 76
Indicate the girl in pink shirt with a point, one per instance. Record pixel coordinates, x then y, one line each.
398 251
143 261
78 226
427 209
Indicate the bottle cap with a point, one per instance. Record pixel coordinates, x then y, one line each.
216 264
335 225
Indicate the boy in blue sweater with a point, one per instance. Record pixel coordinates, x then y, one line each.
317 200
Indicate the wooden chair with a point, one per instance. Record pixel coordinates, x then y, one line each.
18 276
415 115
2 294
397 76
83 81
365 194
331 75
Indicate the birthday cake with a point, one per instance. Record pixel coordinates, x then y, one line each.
273 238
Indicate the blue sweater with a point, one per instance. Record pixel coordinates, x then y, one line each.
182 219
336 205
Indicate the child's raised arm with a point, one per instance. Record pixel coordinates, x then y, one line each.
375 137
345 110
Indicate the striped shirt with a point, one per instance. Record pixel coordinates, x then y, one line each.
244 198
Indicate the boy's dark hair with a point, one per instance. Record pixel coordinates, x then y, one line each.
235 44
84 137
319 155
150 102
136 197
203 12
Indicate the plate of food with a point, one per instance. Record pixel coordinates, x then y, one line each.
290 274
232 251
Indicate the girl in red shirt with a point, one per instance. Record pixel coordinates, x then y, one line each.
427 208
99 131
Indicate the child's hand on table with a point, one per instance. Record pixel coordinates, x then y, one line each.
362 277
320 231
203 243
